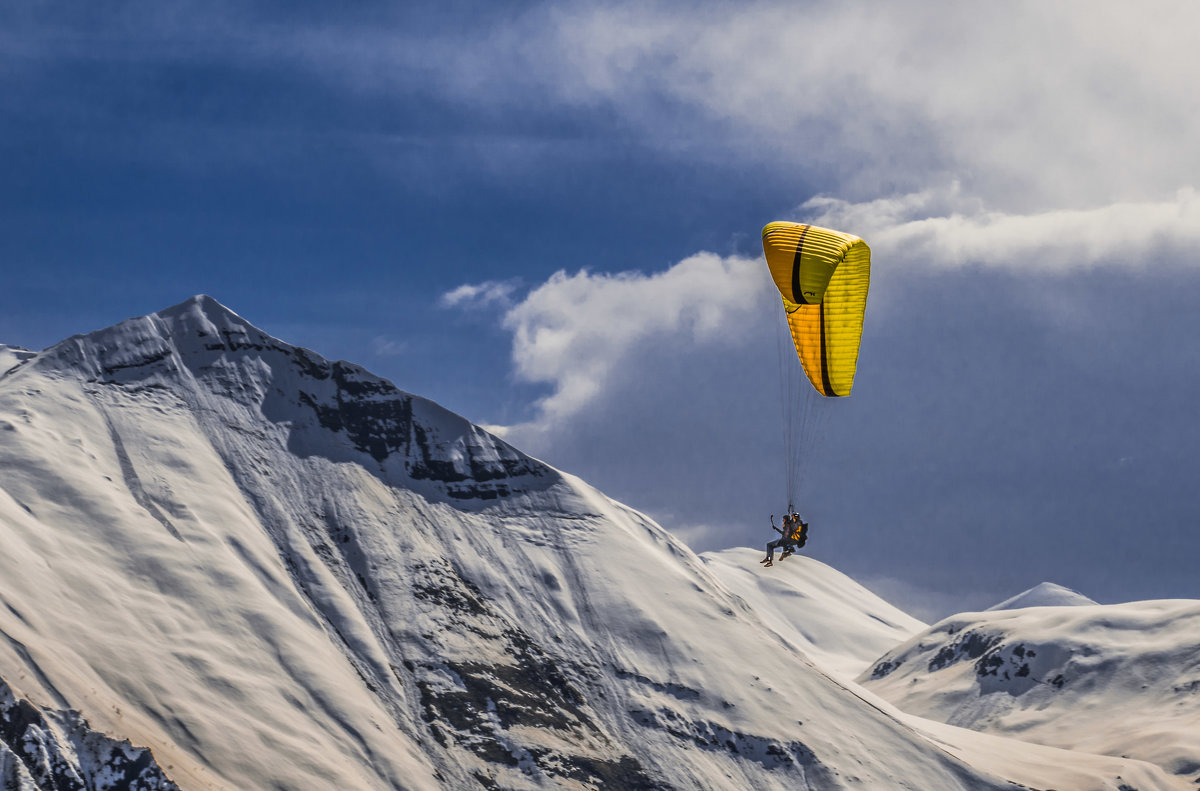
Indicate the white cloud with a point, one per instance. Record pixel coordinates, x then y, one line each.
480 295
580 332
1031 103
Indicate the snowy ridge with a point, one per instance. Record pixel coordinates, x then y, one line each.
839 624
212 351
1133 668
278 571
12 356
1045 594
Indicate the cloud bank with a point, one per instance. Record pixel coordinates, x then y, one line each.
582 334
1124 234
1031 106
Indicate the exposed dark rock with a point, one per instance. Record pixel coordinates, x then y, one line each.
676 690
885 668
59 751
490 708
971 644
768 752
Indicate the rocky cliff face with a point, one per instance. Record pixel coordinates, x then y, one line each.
58 751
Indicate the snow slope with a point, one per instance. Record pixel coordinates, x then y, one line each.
278 571
1120 680
1045 594
840 625
844 628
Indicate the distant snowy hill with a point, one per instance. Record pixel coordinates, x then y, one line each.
1109 679
277 571
1045 594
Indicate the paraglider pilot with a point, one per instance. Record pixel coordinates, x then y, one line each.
793 535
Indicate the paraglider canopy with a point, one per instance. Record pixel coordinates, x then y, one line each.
822 276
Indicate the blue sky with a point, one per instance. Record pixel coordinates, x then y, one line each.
546 217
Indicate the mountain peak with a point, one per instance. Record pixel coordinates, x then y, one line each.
183 336
1044 594
207 357
202 313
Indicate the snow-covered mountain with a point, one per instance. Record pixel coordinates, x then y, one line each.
1120 679
1045 594
277 571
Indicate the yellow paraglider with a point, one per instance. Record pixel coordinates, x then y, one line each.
822 276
